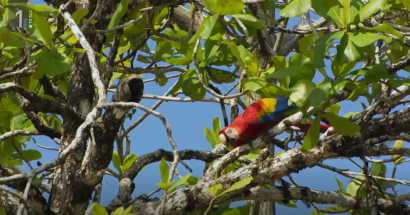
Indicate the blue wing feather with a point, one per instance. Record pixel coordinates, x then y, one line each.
279 111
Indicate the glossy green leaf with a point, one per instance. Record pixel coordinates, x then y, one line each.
387 29
164 169
319 47
366 38
211 137
238 185
250 20
118 211
305 69
397 144
191 86
296 8
8 105
378 169
165 185
330 10
253 84
182 181
53 63
40 8
218 75
215 190
161 79
347 51
207 26
341 188
128 161
42 30
316 96
29 155
370 8
345 12
334 109
118 14
224 7
116 160
312 136
243 210
301 91
282 73
98 209
342 125
79 14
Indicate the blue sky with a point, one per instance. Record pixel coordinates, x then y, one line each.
188 121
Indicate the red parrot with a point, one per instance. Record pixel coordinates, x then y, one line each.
262 114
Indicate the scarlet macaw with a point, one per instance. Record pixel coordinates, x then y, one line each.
262 114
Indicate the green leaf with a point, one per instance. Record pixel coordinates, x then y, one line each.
367 38
282 73
316 96
330 10
243 210
128 161
118 14
387 29
341 188
161 79
345 12
36 181
238 185
53 63
42 30
312 136
212 136
207 26
253 84
79 14
217 75
371 8
118 211
353 187
250 20
215 190
98 209
306 70
378 169
40 8
347 51
191 86
116 160
182 181
301 91
8 105
342 125
296 8
334 109
2 211
29 154
319 47
224 7
164 169
165 185
250 61
397 144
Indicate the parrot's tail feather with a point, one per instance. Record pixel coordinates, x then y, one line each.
305 127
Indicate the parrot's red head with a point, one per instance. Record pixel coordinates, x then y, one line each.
229 135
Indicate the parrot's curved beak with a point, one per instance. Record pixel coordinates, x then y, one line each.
228 139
